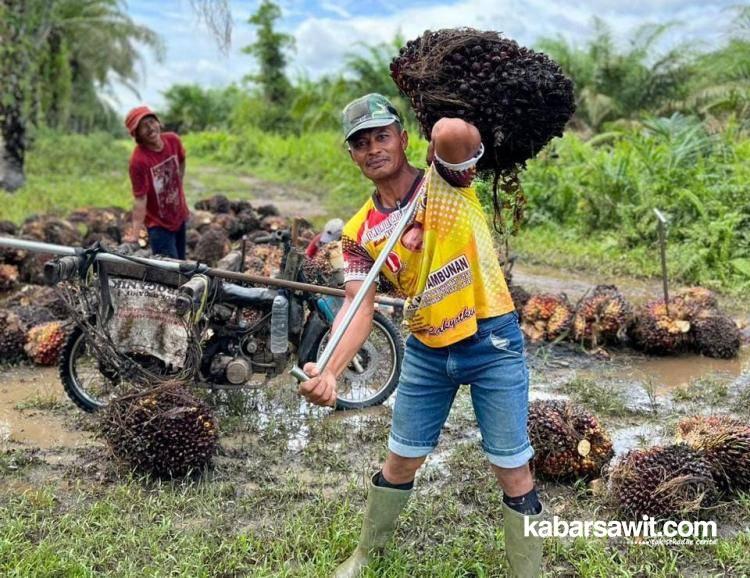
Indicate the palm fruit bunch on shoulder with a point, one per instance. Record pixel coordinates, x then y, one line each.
8 277
568 441
520 298
165 431
212 246
661 330
725 444
662 482
716 336
45 341
517 98
12 337
601 317
547 316
323 267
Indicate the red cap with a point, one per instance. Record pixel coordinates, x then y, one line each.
135 116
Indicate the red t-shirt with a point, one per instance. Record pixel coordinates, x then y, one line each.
157 175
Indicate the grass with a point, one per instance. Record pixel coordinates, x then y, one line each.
42 401
705 392
599 397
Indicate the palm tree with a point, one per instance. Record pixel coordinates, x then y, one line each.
94 42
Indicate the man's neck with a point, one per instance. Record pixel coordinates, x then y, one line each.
394 189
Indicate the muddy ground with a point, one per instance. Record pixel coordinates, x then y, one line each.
271 438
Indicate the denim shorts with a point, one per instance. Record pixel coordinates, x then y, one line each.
492 362
168 243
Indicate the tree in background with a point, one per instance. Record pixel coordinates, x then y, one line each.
190 107
269 50
57 58
616 83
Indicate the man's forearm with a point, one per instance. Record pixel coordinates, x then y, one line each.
139 214
356 334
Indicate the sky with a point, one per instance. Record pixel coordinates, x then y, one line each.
326 30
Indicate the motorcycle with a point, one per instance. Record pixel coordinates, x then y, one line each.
136 322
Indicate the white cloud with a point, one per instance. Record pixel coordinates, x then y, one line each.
324 38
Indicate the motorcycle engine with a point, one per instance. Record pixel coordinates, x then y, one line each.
236 370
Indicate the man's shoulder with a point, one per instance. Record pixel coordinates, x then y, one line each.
354 224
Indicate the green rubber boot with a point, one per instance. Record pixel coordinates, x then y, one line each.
524 553
383 507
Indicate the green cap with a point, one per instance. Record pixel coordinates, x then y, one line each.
369 111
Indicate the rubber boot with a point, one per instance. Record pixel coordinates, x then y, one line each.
383 508
524 553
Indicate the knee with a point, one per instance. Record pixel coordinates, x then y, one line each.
401 470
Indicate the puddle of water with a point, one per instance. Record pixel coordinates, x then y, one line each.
636 436
36 428
669 373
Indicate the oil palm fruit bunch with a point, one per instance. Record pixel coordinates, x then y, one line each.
601 317
547 316
8 277
12 337
51 230
716 336
36 297
661 330
520 298
569 442
215 204
263 260
45 341
164 431
517 98
212 246
699 300
662 482
725 444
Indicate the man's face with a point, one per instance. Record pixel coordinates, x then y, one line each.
148 130
379 152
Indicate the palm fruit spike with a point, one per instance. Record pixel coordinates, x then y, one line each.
568 441
601 317
699 300
662 482
546 317
8 277
165 431
44 342
716 336
653 331
12 337
725 443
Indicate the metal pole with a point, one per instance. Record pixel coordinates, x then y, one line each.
663 250
333 342
181 266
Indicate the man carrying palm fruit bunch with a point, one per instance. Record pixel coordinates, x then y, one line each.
463 325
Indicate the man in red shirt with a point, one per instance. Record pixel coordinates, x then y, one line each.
157 169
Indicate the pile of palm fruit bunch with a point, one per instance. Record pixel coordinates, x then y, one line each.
165 431
602 317
724 442
569 442
517 98
692 320
662 482
547 317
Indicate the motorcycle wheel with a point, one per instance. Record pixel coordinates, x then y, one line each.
86 381
374 377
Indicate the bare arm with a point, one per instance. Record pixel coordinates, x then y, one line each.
455 140
139 215
321 388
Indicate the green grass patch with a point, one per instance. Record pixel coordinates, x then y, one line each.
599 397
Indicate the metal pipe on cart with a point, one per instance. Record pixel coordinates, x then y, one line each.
333 342
187 267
